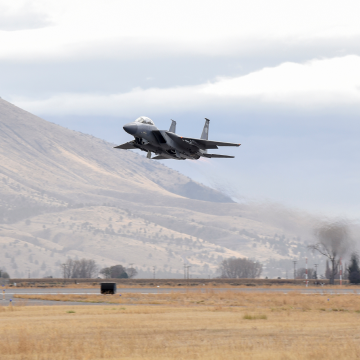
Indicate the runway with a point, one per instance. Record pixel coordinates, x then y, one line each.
10 292
159 290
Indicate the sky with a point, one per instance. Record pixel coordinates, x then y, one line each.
280 77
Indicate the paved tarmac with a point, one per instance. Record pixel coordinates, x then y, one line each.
10 292
159 290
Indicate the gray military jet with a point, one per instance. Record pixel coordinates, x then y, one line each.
169 145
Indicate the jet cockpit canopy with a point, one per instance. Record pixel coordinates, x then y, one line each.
144 120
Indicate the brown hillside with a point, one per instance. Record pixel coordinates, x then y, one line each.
68 194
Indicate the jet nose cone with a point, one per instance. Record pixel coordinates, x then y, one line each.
130 128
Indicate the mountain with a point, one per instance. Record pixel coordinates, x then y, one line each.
68 194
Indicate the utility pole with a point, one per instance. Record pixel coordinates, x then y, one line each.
316 274
154 268
64 267
306 274
294 261
188 267
184 271
187 274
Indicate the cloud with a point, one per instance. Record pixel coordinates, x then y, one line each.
314 84
24 17
138 29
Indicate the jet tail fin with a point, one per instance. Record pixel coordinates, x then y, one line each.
205 132
173 126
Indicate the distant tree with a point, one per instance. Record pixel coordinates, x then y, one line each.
105 272
301 272
240 268
345 273
114 272
332 241
132 272
4 274
118 271
85 268
315 276
79 269
354 270
327 270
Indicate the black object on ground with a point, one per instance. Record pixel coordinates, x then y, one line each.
108 288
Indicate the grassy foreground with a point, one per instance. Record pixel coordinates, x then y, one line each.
186 326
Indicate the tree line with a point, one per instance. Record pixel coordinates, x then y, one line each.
243 268
87 269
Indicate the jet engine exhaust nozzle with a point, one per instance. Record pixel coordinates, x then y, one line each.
130 129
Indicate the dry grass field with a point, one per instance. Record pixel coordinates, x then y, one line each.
194 325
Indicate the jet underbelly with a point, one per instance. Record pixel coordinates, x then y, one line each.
184 147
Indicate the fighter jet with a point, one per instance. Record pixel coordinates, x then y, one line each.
167 144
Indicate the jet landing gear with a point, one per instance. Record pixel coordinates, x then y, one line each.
148 154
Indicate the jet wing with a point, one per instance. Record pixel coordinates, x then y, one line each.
127 146
209 144
200 143
218 156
